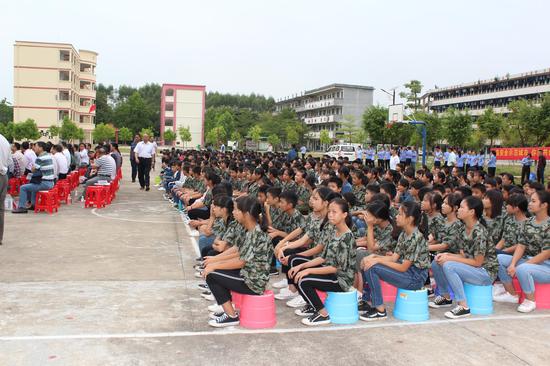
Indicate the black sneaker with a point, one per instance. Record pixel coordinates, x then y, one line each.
316 319
431 292
273 271
147 189
224 321
458 312
440 302
19 210
198 267
374 314
363 307
306 310
198 259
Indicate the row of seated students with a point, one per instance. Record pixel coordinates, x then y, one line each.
335 225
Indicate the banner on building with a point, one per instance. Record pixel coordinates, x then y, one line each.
518 153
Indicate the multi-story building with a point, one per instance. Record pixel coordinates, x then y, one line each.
183 106
325 107
476 97
52 81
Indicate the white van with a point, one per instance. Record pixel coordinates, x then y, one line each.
343 151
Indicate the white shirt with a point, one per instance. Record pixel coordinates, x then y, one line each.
452 158
5 156
31 157
144 150
67 156
84 159
61 163
394 160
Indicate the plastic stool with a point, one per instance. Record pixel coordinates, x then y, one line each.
411 305
519 291
236 299
322 295
389 292
46 201
479 298
64 191
342 307
82 171
542 295
13 186
95 195
258 311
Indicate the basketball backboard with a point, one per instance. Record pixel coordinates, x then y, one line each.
395 113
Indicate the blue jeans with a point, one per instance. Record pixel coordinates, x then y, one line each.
453 275
31 189
526 273
206 241
412 279
360 224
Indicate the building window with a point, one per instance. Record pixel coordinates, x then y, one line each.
64 55
168 122
169 92
62 114
169 107
64 95
64 75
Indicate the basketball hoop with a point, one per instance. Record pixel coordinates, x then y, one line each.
395 113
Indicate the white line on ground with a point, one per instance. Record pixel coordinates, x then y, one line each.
192 238
232 330
98 214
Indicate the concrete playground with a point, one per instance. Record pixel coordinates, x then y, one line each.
115 286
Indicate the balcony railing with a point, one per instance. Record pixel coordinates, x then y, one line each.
323 119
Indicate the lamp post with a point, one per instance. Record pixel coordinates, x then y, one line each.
390 94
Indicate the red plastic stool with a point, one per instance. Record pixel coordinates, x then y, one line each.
258 311
13 184
46 201
23 180
236 299
95 195
517 287
64 191
389 292
542 295
82 171
119 174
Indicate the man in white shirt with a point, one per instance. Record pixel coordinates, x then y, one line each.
144 153
5 161
66 153
84 158
21 159
394 160
61 162
30 155
452 158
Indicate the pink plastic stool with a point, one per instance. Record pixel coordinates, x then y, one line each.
542 295
258 311
517 287
389 292
322 295
237 299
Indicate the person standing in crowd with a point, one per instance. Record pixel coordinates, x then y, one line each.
84 158
303 151
30 155
222 148
414 157
61 161
5 162
20 158
369 155
144 155
387 158
438 157
116 155
133 162
292 154
394 160
492 164
451 159
541 165
526 163
42 178
66 153
359 154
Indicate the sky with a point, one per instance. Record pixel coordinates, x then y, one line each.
282 47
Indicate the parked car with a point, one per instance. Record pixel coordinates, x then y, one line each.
343 151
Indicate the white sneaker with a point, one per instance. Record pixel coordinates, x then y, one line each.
527 306
296 302
208 297
286 294
281 284
198 274
215 308
506 297
162 189
194 233
498 289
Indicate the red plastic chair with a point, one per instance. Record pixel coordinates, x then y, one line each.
14 185
46 201
64 191
82 171
95 195
23 180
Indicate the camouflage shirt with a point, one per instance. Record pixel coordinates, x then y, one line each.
340 252
312 227
218 227
303 194
324 235
200 186
511 230
207 198
190 182
359 193
393 212
384 239
293 221
477 243
494 229
450 235
536 237
253 189
435 225
413 248
256 250
289 186
276 218
234 234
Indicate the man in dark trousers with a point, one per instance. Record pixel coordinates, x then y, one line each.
144 153
541 165
133 158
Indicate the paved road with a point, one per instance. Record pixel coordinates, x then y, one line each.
115 287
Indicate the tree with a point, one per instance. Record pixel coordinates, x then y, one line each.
457 127
185 134
374 123
124 134
6 111
237 137
529 122
324 137
103 132
80 134
489 126
292 136
274 140
412 97
255 134
68 130
348 128
134 113
54 130
26 130
147 131
104 111
360 137
169 137
7 130
216 135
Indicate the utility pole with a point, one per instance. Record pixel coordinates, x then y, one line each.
390 94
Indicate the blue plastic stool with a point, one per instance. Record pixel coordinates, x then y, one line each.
342 307
411 305
479 298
